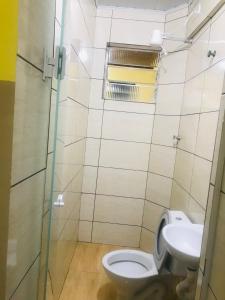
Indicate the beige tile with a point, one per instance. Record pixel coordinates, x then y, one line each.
33 41
188 132
102 32
85 229
196 212
25 224
147 241
177 13
210 295
115 234
92 152
200 180
118 210
162 160
177 28
165 127
218 270
214 78
94 123
96 100
207 124
121 182
125 155
167 73
28 287
133 32
152 214
138 14
156 193
184 168
87 207
126 106
193 93
98 64
197 54
179 198
169 99
31 117
127 126
89 179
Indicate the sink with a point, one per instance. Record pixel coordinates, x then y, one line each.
183 241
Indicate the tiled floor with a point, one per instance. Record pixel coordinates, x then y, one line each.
87 280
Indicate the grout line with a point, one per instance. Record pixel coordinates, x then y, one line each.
25 274
115 168
30 63
27 178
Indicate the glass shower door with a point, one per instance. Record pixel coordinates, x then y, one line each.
63 186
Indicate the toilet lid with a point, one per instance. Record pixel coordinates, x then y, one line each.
126 268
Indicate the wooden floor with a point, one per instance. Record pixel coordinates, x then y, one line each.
86 279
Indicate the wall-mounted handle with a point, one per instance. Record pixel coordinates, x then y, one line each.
176 140
211 53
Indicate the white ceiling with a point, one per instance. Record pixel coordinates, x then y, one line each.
146 4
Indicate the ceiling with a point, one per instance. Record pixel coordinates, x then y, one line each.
146 4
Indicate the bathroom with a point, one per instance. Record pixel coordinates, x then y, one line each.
112 134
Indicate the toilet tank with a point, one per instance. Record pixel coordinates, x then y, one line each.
162 258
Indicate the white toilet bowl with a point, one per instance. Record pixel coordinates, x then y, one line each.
130 270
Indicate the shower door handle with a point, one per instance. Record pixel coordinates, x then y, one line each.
55 66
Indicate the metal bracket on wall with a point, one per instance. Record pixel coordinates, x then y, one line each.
55 66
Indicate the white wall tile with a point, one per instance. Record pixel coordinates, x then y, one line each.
115 234
176 13
89 180
177 28
162 160
102 32
169 99
197 55
127 126
193 92
85 229
188 132
94 123
152 215
87 207
169 74
98 64
214 78
96 100
121 182
129 106
119 210
138 14
92 152
125 155
159 189
133 32
179 198
183 168
200 180
104 11
207 134
165 127
196 212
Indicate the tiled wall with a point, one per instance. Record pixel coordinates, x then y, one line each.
119 138
199 122
30 139
166 125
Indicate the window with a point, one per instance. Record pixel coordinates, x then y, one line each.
131 73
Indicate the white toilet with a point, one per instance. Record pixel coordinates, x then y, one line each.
132 270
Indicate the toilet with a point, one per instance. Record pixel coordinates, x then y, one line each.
132 270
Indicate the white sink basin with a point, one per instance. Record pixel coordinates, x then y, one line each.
183 241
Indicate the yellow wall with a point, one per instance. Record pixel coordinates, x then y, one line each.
8 43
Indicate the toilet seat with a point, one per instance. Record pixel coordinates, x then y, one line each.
131 264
